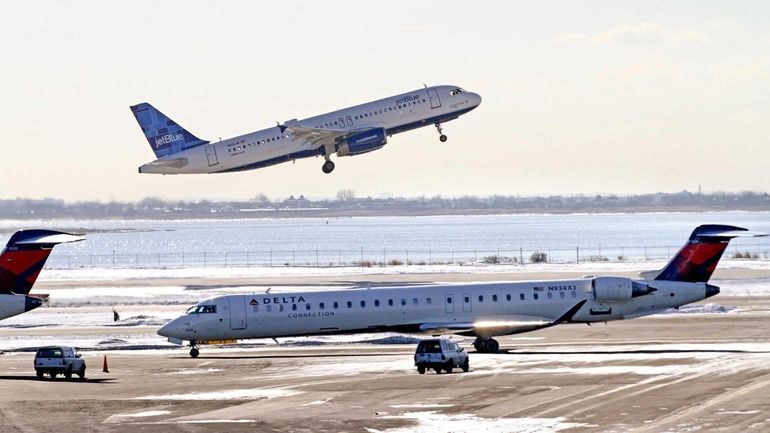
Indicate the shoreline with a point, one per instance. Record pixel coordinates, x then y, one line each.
374 213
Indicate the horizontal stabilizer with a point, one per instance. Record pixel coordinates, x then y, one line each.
50 238
159 166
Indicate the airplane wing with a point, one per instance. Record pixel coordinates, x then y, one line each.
315 137
490 328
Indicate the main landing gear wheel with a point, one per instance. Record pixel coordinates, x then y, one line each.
328 167
489 345
442 138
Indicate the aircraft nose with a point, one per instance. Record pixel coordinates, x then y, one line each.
163 331
476 99
170 329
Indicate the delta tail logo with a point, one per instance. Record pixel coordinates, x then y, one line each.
167 139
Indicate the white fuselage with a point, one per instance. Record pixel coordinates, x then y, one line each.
418 309
400 113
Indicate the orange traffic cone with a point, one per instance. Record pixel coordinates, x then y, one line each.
104 367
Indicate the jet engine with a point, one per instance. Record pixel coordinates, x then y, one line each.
362 142
619 288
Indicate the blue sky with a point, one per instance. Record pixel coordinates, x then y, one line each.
579 97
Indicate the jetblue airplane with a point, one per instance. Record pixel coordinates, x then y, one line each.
347 132
20 264
483 310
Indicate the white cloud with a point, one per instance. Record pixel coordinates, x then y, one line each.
645 32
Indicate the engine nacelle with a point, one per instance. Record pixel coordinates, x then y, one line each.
362 142
619 289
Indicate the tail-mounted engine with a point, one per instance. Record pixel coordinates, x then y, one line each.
619 288
362 142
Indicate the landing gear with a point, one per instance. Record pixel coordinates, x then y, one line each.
442 138
328 166
488 345
194 351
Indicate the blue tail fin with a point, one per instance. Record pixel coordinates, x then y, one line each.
164 135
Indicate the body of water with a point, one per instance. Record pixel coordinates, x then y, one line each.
422 239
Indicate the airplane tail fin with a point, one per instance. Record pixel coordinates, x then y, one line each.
697 259
25 255
164 135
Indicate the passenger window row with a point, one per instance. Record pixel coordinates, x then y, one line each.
374 113
242 145
349 304
522 296
415 301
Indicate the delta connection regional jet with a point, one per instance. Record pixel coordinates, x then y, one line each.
21 263
347 132
481 310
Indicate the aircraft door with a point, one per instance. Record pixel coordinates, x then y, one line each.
237 309
435 102
467 299
211 155
449 303
350 120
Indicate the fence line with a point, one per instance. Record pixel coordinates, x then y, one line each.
364 257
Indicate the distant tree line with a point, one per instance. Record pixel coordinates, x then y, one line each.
347 204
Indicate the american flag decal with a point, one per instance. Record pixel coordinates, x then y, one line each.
539 289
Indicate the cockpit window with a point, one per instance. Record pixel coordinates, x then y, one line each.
456 91
201 309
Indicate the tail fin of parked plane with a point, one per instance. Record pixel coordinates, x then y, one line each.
164 135
698 258
24 258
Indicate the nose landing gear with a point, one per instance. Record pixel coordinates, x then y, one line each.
194 352
442 138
